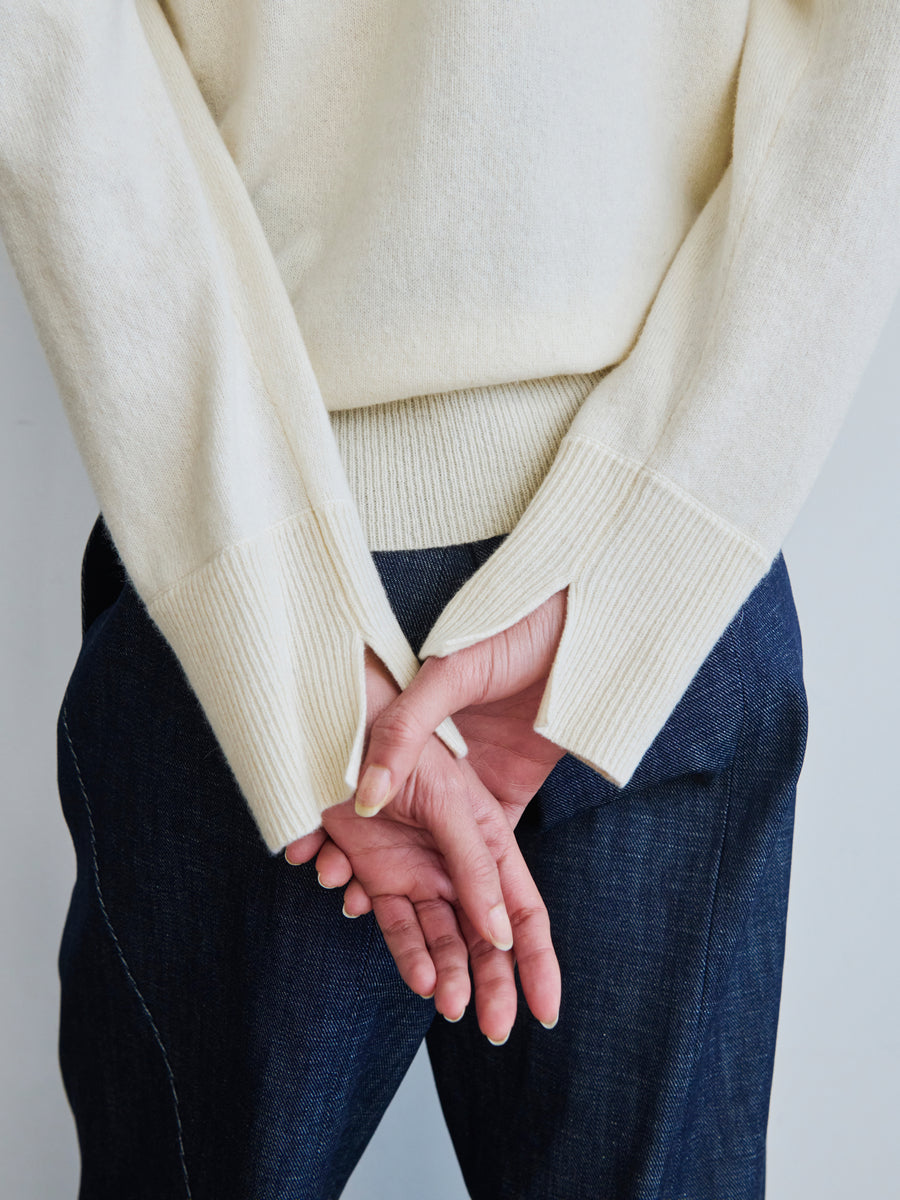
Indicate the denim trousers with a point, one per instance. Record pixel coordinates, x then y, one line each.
226 1034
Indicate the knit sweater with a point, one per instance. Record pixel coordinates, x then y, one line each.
320 279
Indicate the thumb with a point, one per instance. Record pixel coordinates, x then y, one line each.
399 733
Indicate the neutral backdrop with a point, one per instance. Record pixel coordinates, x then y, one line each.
835 1107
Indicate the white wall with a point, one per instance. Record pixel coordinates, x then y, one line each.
835 1108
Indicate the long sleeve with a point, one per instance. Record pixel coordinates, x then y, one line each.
683 469
190 395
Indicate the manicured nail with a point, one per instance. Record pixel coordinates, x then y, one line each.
290 860
551 1024
453 1020
503 1043
500 928
373 790
352 916
329 887
430 996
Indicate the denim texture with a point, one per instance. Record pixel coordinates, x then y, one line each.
226 1034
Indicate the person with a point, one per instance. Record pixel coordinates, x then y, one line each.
448 378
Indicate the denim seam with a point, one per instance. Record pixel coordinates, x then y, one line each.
317 1161
698 1038
737 659
121 956
760 1151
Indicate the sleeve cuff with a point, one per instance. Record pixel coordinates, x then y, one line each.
654 579
271 636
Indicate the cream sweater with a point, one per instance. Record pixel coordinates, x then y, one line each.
320 278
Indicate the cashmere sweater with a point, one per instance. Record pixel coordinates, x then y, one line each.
320 279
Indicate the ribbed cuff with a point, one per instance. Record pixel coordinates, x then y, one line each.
271 635
653 579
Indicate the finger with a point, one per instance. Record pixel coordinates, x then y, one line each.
536 960
403 935
304 849
400 731
356 900
493 971
535 956
333 866
446 812
449 954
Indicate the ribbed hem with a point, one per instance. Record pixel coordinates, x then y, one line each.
271 635
653 580
451 467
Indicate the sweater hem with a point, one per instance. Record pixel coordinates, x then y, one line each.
451 467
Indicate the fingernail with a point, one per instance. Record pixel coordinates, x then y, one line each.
329 887
453 1020
500 928
290 860
430 995
352 916
373 790
503 1043
551 1024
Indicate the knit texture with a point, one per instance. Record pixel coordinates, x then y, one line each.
315 280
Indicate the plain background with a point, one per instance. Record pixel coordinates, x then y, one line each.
835 1109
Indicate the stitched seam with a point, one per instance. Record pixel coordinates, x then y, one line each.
643 471
727 273
209 183
764 867
737 659
320 1148
121 956
305 516
697 1047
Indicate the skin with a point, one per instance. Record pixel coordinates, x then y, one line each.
434 854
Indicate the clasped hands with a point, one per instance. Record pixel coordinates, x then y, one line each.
427 840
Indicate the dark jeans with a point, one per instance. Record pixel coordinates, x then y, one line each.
226 1034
